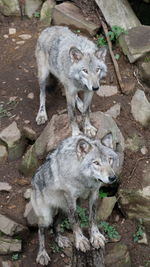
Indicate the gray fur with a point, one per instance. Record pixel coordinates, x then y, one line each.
76 169
79 66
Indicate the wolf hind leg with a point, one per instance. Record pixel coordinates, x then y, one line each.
45 219
43 72
61 240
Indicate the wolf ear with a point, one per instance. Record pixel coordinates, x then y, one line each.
101 53
83 147
107 140
75 54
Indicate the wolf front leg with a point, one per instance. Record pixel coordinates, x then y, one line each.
71 105
89 130
81 242
42 256
96 238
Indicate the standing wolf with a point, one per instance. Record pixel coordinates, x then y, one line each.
79 66
76 169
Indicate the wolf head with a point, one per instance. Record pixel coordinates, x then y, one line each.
98 160
88 69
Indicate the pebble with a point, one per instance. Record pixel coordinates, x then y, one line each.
30 96
26 121
20 42
17 79
144 150
25 36
12 31
5 36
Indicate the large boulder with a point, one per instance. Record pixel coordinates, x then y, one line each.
105 207
140 108
135 202
11 137
46 12
29 162
69 14
9 245
144 69
31 6
136 43
3 154
10 227
9 8
118 12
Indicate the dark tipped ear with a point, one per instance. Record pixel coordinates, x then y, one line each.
107 140
101 53
83 147
75 54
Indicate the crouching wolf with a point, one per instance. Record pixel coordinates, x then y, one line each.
78 64
76 169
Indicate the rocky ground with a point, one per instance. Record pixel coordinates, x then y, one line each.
19 105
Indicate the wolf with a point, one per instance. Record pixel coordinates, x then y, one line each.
78 64
76 169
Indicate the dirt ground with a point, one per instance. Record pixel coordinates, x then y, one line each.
18 77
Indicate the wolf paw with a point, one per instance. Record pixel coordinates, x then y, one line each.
83 244
43 258
62 241
97 240
41 118
90 131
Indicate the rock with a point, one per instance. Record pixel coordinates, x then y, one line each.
30 96
27 193
46 12
140 108
11 136
25 36
6 36
20 42
30 215
3 154
69 14
143 240
118 12
9 8
29 162
10 227
105 207
31 6
5 187
144 69
6 264
135 202
114 111
107 90
130 44
134 143
144 150
29 133
12 31
118 256
9 245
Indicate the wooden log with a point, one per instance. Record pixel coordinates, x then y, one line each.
91 258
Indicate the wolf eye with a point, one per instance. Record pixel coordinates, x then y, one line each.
110 161
98 69
96 163
85 70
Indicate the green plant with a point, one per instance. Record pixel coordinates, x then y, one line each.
15 257
83 218
55 248
37 14
102 194
117 56
147 263
139 233
110 231
115 32
65 225
77 31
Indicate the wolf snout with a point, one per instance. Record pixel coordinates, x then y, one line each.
95 88
112 179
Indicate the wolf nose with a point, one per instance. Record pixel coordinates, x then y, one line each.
95 88
112 178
